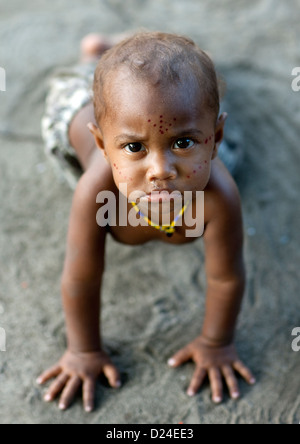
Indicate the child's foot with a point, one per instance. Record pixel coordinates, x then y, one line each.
94 45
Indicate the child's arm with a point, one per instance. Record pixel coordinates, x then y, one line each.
214 351
84 359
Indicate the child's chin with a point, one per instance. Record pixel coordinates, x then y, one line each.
161 207
161 198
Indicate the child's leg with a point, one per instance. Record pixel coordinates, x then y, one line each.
92 47
80 136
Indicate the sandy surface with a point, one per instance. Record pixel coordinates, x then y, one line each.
255 46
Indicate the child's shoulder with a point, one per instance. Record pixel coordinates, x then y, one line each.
222 196
97 178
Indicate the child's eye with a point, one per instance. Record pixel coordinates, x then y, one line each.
184 143
134 147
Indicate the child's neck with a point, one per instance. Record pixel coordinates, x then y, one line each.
164 220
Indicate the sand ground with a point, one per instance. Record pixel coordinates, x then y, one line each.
255 46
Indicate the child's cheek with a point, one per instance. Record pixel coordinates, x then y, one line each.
209 139
120 175
201 168
198 170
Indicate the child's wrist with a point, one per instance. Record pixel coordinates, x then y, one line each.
211 342
92 347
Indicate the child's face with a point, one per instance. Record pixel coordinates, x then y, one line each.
158 139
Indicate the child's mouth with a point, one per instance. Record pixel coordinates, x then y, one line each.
161 196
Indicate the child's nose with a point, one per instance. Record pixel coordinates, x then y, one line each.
161 168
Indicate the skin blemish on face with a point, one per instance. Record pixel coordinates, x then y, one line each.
208 139
163 126
188 177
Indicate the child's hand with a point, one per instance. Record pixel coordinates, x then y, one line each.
74 370
214 362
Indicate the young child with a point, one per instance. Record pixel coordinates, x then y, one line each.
150 137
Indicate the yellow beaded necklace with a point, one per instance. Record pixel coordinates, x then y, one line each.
169 230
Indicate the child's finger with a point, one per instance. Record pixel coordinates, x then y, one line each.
215 379
231 381
88 393
244 372
180 357
197 380
69 391
112 375
49 374
56 387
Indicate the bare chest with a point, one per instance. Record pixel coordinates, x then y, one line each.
128 226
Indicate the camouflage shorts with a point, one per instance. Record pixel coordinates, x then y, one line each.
70 90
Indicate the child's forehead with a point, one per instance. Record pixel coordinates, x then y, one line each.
124 90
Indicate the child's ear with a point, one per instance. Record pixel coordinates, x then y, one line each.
219 132
97 136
